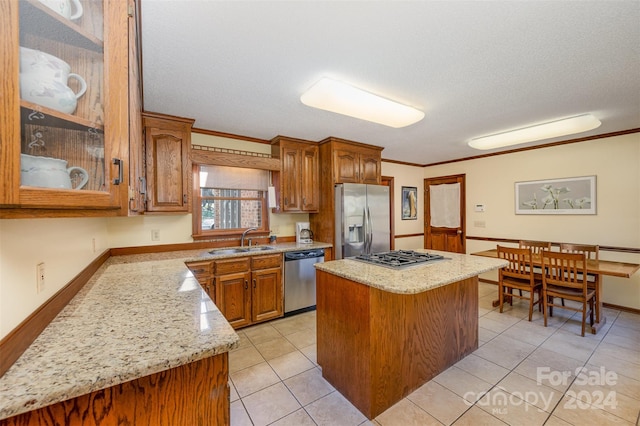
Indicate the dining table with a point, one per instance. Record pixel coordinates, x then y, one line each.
594 267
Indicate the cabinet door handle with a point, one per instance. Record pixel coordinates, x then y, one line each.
304 201
246 284
120 178
184 198
254 283
286 201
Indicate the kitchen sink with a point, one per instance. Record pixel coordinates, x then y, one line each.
259 248
228 251
239 250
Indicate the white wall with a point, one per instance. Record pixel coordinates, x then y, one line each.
405 175
615 162
64 245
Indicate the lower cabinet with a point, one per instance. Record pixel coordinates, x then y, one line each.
196 393
202 271
247 290
267 285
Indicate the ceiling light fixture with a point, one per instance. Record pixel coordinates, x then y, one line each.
551 129
341 98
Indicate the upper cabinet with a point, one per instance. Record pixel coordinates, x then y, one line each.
354 162
168 164
297 182
65 106
342 161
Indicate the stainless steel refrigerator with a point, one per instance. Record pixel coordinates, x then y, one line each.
362 219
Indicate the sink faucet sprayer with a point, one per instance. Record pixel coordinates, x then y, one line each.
244 234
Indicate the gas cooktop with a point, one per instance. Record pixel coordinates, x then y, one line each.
398 259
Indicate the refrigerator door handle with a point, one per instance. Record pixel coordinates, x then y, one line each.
370 231
365 231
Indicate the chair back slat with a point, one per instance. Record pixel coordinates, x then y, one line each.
518 259
565 270
535 246
591 251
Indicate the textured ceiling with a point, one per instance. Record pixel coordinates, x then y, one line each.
474 68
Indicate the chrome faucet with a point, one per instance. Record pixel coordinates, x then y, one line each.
244 234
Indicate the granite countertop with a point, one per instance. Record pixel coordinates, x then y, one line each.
414 279
138 315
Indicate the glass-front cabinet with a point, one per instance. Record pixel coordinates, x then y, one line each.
65 104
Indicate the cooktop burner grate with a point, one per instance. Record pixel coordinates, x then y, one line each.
398 259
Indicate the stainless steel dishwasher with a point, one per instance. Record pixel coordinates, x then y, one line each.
300 280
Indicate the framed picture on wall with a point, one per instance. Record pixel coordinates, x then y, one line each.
576 195
409 203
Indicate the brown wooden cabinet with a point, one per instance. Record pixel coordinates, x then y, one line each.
249 289
203 272
354 162
342 161
81 133
297 183
266 293
168 166
196 393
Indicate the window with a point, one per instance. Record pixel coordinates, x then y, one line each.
229 200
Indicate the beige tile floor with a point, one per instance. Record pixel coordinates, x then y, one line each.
521 374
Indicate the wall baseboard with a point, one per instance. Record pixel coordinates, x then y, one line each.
621 308
21 337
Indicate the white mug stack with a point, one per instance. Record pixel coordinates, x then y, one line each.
44 78
63 7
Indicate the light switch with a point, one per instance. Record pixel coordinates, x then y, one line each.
479 207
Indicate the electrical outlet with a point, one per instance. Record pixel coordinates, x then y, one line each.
40 277
155 235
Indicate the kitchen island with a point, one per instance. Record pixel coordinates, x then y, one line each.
382 333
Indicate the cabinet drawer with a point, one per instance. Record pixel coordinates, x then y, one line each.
200 270
230 266
265 262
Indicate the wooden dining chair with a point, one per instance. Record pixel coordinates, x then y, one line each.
591 251
593 280
536 247
565 276
518 275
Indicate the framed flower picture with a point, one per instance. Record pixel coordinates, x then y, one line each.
575 195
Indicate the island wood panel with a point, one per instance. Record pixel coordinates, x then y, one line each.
192 394
377 347
343 336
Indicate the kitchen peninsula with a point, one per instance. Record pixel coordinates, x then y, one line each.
382 333
141 343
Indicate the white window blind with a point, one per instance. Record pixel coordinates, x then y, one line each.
233 178
444 202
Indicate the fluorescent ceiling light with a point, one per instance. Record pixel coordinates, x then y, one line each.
551 129
341 98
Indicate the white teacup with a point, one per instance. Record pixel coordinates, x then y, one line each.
44 78
63 7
